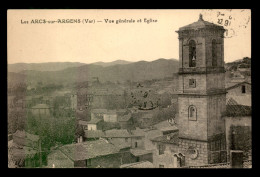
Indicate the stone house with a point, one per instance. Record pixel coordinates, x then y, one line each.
238 123
240 92
149 135
94 124
121 135
167 153
138 138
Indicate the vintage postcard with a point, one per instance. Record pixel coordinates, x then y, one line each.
129 88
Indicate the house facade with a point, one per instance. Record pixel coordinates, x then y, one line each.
166 152
241 93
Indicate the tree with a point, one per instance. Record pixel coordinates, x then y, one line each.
79 132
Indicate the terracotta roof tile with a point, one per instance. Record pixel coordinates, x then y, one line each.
234 109
94 133
89 149
26 135
171 138
117 133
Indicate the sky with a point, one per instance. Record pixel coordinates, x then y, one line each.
106 42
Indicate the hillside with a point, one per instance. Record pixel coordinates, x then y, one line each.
117 62
136 71
238 64
50 66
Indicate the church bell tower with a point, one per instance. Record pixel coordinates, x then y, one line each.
202 95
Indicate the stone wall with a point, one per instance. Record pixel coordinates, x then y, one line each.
202 148
200 83
166 159
113 160
190 128
216 106
139 141
215 81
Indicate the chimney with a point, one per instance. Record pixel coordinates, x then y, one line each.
201 18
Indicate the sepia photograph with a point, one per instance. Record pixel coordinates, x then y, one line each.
129 88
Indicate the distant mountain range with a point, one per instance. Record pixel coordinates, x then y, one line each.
119 70
50 66
57 66
117 62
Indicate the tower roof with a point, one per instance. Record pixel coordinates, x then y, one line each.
200 24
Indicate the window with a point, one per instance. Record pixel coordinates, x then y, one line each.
126 140
161 166
161 149
137 159
192 113
136 144
243 89
192 53
192 83
214 52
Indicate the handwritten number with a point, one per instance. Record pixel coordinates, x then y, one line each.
220 21
226 22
